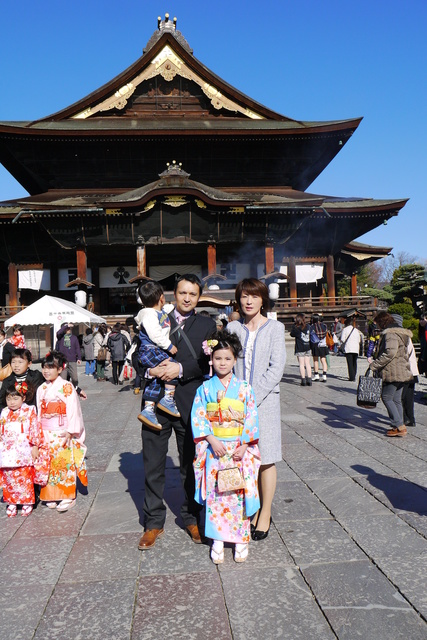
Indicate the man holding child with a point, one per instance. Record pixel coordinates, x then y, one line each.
190 365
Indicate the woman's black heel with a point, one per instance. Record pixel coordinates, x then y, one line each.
260 535
253 525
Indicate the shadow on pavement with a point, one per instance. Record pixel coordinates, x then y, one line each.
402 494
336 417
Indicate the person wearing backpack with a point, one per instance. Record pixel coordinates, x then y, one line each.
319 349
118 345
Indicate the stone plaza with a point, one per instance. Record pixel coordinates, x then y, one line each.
346 556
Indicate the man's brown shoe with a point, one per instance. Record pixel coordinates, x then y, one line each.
193 532
149 538
399 432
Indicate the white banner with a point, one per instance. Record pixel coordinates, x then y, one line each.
34 279
116 277
305 273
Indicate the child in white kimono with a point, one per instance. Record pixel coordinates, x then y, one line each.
225 429
21 445
62 422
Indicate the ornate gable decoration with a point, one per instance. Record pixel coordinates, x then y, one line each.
167 64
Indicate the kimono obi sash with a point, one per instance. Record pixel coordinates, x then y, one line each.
53 415
226 417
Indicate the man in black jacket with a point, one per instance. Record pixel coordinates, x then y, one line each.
20 362
188 331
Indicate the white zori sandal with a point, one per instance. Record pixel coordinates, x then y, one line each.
241 552
64 505
217 552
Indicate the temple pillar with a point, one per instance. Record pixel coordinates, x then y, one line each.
269 257
292 273
141 260
211 258
330 279
96 291
353 285
81 263
13 288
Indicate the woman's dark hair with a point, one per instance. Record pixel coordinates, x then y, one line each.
17 327
88 331
54 360
23 389
102 329
188 277
25 354
384 319
150 293
2 333
315 318
227 340
252 287
300 320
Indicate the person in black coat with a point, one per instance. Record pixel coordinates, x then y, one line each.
20 362
188 332
7 349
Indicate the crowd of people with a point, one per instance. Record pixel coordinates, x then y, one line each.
213 384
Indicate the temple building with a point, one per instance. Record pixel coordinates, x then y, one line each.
168 169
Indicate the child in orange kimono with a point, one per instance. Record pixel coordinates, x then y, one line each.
62 423
24 456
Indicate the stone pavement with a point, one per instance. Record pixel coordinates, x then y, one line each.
346 556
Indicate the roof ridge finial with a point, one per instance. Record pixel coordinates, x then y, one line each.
174 168
166 25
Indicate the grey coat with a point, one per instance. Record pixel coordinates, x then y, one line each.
392 362
268 363
88 347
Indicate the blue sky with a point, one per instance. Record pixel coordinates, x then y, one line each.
307 59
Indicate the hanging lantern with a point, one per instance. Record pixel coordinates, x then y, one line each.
273 291
80 298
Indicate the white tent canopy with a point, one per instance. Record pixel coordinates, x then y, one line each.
51 310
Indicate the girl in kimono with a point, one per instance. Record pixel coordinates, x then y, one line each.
21 446
225 429
17 339
62 423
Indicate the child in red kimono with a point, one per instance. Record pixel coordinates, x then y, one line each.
62 422
22 446
18 339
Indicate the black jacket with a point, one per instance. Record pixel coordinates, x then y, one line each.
197 328
302 338
8 349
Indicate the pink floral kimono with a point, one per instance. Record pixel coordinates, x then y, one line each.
19 432
60 414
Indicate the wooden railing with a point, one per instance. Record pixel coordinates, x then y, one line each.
322 302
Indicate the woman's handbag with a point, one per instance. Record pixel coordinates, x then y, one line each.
314 338
369 390
230 479
329 340
102 354
5 372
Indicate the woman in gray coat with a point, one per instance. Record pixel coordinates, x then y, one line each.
262 365
392 364
89 352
